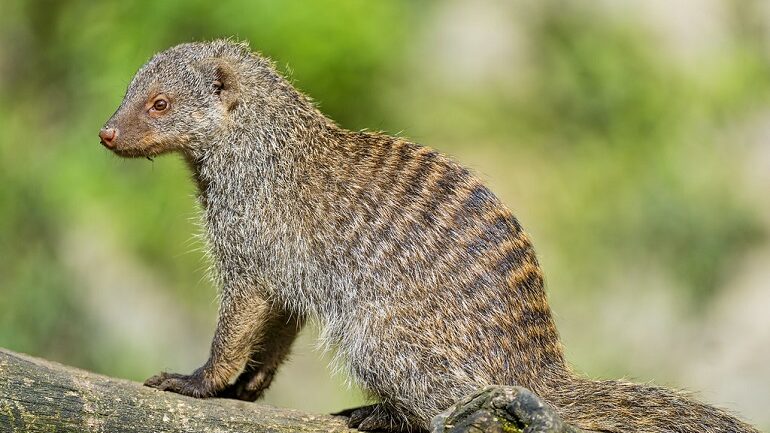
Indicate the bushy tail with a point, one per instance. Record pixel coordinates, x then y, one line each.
617 406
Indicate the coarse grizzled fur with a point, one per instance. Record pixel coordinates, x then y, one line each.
419 277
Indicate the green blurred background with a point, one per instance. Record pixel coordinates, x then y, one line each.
629 137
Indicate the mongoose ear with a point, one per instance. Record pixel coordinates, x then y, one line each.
224 81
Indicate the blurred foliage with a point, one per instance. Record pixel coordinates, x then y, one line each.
614 148
612 103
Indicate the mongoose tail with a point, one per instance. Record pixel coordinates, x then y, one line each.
620 407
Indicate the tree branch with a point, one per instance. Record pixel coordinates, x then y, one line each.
43 396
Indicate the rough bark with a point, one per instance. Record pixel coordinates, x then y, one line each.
43 396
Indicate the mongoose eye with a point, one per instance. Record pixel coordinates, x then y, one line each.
160 105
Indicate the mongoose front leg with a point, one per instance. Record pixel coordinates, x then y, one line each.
267 355
243 317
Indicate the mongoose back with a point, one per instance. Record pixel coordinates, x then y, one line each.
422 281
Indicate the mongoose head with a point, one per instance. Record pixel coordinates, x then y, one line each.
180 100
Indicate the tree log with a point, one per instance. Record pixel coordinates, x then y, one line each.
43 396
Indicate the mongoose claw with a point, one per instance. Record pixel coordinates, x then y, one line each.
193 385
376 417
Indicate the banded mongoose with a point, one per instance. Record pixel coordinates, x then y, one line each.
419 277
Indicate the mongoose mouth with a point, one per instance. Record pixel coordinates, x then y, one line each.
148 146
126 146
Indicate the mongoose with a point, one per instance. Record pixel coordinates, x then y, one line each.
419 277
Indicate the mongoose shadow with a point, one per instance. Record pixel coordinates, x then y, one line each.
421 280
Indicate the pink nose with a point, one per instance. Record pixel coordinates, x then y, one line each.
107 136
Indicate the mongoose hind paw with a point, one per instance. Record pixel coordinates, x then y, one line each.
249 386
193 385
377 417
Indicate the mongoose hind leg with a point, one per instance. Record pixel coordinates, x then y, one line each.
268 354
378 417
243 319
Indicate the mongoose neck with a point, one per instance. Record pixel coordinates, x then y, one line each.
270 144
272 132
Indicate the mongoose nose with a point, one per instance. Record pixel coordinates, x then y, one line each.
107 136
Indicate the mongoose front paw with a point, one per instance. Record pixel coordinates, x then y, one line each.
193 385
377 417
